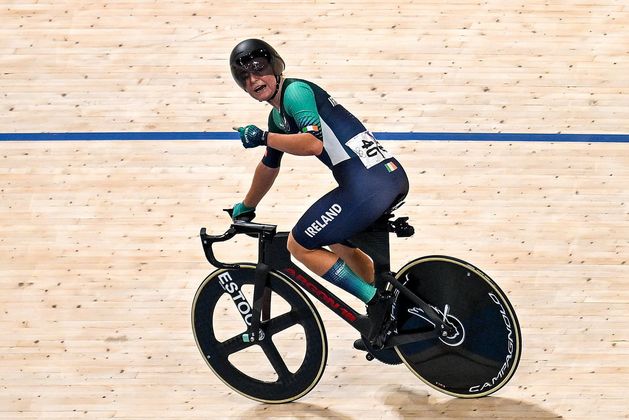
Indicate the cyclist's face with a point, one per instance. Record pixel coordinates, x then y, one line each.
261 87
260 82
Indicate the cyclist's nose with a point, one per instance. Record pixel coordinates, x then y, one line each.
251 79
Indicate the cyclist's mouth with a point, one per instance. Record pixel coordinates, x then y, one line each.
260 88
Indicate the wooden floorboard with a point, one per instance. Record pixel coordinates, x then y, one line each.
99 251
100 262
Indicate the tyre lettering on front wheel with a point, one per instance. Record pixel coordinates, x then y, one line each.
228 285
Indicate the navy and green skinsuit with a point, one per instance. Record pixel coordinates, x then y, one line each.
369 179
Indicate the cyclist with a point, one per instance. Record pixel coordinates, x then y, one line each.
307 121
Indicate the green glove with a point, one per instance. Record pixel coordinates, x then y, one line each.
252 136
242 212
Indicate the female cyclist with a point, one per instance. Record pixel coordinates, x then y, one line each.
307 121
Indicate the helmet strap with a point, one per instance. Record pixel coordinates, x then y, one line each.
277 88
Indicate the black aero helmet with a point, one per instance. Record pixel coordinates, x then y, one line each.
248 50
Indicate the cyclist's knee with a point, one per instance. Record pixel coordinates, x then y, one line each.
294 247
344 250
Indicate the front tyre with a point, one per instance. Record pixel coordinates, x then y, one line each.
289 358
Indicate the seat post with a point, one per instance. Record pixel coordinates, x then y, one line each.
375 243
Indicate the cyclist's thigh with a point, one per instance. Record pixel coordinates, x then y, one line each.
339 215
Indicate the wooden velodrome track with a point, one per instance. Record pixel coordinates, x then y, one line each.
99 254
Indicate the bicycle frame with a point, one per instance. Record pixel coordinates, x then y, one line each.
273 255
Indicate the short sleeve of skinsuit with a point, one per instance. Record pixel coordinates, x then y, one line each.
299 103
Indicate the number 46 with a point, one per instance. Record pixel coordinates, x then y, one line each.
373 148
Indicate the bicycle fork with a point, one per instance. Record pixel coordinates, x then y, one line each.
261 310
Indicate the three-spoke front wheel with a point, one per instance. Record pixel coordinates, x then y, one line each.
289 355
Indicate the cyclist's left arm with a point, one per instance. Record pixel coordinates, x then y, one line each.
263 179
299 103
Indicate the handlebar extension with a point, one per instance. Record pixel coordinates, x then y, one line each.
208 240
258 230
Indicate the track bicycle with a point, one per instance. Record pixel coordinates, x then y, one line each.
256 328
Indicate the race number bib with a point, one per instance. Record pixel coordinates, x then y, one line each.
368 149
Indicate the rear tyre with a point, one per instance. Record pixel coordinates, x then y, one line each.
483 352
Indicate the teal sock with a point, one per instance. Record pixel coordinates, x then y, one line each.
344 277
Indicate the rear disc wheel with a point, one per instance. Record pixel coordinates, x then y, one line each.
481 351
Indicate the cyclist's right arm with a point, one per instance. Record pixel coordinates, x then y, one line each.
273 157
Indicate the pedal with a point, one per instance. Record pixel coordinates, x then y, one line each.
388 356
